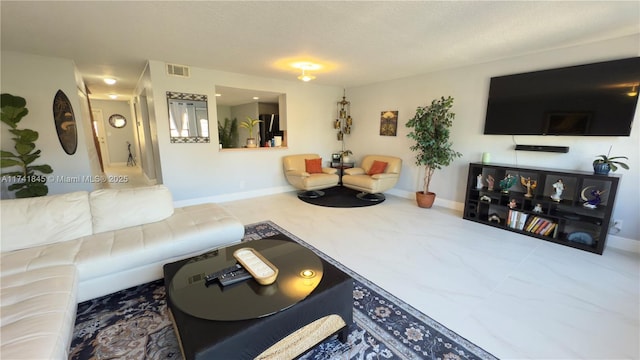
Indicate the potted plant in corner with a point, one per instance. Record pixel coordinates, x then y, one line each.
603 163
26 180
430 130
249 123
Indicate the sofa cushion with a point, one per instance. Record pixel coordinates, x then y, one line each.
44 220
114 209
191 228
38 313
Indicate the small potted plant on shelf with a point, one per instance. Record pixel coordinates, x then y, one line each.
603 163
431 126
248 124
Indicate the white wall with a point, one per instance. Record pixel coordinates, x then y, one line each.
117 138
197 171
469 87
37 79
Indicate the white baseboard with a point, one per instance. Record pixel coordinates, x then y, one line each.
458 206
147 180
622 243
234 196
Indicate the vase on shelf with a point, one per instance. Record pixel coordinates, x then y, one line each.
601 168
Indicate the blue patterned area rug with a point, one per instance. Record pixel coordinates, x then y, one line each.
133 324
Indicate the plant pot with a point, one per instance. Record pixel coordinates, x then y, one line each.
425 200
251 142
601 168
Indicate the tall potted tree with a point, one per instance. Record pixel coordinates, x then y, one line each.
26 180
430 130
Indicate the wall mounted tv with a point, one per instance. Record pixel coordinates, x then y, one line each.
597 99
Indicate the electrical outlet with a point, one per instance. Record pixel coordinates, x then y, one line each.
616 226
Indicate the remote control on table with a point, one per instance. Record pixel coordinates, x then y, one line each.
215 275
234 277
257 265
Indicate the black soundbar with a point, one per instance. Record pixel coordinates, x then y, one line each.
557 149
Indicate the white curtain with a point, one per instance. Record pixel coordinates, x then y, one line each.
178 113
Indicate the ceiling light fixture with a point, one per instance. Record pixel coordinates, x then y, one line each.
109 81
634 91
306 77
306 67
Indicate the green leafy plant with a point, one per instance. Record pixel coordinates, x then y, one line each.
249 123
26 182
612 161
431 129
228 133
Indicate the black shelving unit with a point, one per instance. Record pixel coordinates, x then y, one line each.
538 212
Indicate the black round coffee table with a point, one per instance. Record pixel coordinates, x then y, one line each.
300 272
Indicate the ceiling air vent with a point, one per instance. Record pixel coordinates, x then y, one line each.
178 70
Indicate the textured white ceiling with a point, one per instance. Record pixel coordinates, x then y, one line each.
360 42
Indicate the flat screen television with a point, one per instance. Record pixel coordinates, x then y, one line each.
597 99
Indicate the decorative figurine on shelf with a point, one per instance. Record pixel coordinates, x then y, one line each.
494 217
558 188
529 184
595 197
537 208
490 182
479 184
512 204
507 183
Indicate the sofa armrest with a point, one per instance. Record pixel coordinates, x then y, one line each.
329 170
354 171
297 173
385 176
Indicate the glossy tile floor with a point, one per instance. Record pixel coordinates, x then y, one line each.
124 176
515 296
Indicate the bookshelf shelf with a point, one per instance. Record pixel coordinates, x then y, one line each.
538 206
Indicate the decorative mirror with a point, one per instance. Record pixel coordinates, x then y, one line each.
117 121
188 118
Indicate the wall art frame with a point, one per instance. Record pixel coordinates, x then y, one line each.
389 123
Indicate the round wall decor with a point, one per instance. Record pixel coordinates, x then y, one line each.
117 121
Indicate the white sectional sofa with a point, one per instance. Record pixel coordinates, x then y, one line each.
63 249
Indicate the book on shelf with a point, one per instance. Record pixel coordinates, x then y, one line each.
551 228
532 221
516 219
540 226
522 218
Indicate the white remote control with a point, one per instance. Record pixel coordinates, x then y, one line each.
260 268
